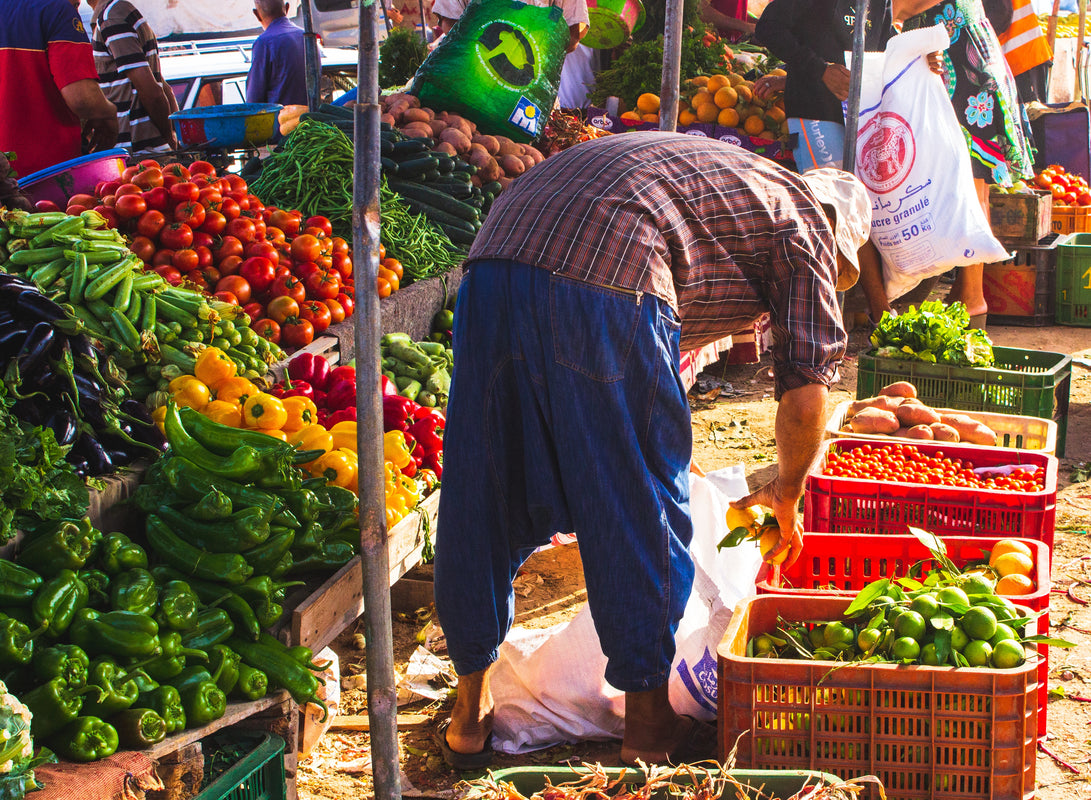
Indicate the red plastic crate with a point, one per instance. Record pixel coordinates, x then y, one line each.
929 733
841 564
855 505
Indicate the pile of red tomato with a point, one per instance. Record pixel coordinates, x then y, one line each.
289 274
1067 189
905 463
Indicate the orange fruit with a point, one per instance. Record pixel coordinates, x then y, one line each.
708 112
647 103
734 78
745 92
650 117
631 115
725 97
775 115
716 82
753 124
1013 563
729 118
686 117
768 135
1015 584
1005 546
700 80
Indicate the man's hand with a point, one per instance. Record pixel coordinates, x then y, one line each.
100 134
935 62
785 507
836 78
768 85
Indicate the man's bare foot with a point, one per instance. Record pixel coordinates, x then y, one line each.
472 715
655 734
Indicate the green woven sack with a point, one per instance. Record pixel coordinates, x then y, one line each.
500 66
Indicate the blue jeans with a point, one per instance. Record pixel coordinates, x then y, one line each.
567 413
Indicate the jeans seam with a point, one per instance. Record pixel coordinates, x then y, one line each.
558 335
492 460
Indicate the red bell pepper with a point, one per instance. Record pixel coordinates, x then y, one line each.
434 462
388 386
416 452
422 412
313 369
342 373
319 398
341 415
428 432
298 389
396 412
341 395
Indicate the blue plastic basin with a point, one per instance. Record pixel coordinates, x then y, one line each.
239 125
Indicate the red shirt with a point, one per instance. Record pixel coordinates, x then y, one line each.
43 48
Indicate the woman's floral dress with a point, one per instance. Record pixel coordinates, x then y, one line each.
982 92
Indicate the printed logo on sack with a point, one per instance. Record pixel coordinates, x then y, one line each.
887 152
701 681
731 139
696 132
526 116
508 53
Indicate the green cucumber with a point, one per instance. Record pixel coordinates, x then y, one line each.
435 198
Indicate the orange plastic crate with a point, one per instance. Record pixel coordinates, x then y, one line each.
841 564
956 733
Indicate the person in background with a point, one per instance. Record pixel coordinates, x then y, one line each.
54 108
1027 52
127 59
591 275
278 72
575 14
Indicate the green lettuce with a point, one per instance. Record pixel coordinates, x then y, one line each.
936 333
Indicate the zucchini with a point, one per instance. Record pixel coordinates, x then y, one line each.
410 148
457 236
390 166
492 187
417 166
438 216
435 198
344 112
459 191
386 146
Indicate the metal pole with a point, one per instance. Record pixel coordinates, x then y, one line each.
312 65
1081 29
852 116
382 701
386 16
423 23
672 66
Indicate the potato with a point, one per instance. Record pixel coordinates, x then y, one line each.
479 157
491 171
437 126
417 115
969 429
488 142
528 161
513 166
943 433
508 147
533 152
504 181
463 124
874 420
445 147
882 401
918 432
914 412
417 130
899 389
458 139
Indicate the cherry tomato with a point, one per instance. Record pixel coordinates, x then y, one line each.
269 329
337 311
237 285
228 246
306 247
288 286
296 332
258 272
281 308
130 206
176 236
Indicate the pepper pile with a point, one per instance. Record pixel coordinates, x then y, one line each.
420 370
60 383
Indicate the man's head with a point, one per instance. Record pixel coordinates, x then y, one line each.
268 11
848 207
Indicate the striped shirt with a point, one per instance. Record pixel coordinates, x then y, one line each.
124 41
721 234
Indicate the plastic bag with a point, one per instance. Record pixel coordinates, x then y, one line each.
500 66
548 684
912 156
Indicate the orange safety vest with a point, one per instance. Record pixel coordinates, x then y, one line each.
1023 43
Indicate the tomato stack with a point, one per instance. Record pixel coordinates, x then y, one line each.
190 225
1067 189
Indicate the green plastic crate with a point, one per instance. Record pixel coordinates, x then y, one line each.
762 783
259 775
1073 305
1031 383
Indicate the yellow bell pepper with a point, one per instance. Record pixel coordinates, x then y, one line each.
344 435
276 434
264 411
301 412
191 393
213 367
311 437
395 449
236 390
224 413
338 467
158 416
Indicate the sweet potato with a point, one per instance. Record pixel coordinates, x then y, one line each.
943 433
417 115
913 412
491 171
445 147
463 124
441 115
488 142
882 401
437 126
513 166
458 139
899 389
874 420
417 130
969 429
918 432
476 180
388 119
508 147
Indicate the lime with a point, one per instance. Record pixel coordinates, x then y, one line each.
925 605
837 633
977 652
868 638
979 623
1003 632
763 644
928 655
816 637
959 639
911 624
883 600
905 649
952 595
977 583
1008 654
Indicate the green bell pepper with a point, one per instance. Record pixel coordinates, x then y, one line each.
135 590
172 658
86 739
144 682
68 546
252 684
117 633
167 703
202 699
215 594
139 728
17 584
119 553
178 606
65 661
193 561
304 505
98 587
213 506
16 642
52 706
118 689
213 627
55 605
224 662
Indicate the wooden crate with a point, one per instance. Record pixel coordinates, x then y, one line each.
1071 219
321 616
1021 219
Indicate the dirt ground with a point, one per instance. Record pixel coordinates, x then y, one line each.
737 427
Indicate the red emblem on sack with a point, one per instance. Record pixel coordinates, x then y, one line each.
887 152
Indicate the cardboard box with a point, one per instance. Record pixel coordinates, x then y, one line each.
1020 219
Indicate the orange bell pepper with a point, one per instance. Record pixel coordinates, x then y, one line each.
224 413
188 391
264 411
301 412
338 467
311 437
213 367
275 434
236 390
